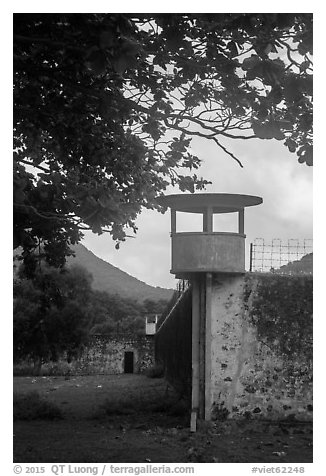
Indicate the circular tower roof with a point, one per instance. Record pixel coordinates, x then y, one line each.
199 202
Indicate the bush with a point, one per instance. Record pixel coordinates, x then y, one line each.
60 368
122 407
142 402
31 406
23 370
171 407
147 402
156 371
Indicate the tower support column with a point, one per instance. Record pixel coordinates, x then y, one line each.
195 352
208 340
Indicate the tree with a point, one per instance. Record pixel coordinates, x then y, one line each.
155 307
50 314
106 105
115 314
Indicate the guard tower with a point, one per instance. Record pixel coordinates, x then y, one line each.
199 257
151 323
208 251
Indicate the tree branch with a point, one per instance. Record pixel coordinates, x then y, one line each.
33 165
211 137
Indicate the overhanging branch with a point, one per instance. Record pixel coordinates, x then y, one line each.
210 137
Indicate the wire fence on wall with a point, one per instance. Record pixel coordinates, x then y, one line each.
291 256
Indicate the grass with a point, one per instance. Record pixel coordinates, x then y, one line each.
60 368
148 401
31 406
139 421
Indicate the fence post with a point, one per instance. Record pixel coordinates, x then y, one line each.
251 253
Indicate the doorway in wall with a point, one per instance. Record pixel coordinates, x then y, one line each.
129 363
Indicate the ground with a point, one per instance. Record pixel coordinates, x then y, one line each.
123 418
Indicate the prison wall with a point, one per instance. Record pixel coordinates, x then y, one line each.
103 354
173 345
106 354
261 347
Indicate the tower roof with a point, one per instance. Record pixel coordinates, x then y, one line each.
199 202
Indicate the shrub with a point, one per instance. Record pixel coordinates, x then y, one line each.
156 371
23 370
31 406
146 403
180 408
60 368
134 403
56 368
122 405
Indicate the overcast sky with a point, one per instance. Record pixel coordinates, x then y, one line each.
269 171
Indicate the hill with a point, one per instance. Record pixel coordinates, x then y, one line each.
107 277
302 266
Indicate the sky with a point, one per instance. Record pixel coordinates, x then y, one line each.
269 171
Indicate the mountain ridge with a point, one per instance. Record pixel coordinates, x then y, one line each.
109 278
303 265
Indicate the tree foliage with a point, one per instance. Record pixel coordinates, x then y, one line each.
55 311
50 313
115 314
106 105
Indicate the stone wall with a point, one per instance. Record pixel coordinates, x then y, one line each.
261 347
102 355
105 354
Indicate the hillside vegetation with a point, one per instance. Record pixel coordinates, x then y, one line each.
107 277
56 311
302 266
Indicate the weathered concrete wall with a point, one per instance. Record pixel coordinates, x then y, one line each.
261 347
215 251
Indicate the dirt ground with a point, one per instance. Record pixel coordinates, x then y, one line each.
118 418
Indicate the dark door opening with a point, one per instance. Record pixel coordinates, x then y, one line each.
129 363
